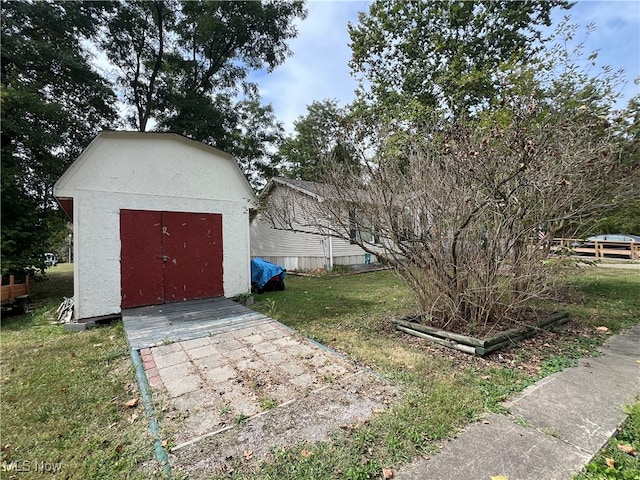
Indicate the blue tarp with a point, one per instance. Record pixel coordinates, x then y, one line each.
263 271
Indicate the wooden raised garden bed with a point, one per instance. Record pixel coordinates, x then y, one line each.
477 346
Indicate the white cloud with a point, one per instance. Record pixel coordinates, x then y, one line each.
318 68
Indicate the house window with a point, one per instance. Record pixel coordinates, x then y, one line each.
353 227
361 228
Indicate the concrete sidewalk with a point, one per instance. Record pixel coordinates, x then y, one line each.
555 426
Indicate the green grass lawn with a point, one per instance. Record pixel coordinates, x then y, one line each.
446 389
619 459
63 394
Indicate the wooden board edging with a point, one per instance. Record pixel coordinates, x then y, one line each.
478 346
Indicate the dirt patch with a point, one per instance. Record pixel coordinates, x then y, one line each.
529 355
309 419
236 396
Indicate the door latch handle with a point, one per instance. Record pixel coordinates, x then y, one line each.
165 258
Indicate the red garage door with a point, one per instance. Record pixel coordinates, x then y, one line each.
169 257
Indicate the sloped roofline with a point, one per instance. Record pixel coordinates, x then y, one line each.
105 134
303 186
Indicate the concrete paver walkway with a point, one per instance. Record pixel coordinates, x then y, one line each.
233 381
242 372
214 362
555 427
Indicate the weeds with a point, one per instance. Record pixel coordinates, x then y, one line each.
619 459
241 419
268 403
271 310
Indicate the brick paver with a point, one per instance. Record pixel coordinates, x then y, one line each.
186 384
216 379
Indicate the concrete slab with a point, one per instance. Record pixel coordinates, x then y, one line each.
78 326
187 384
583 404
499 447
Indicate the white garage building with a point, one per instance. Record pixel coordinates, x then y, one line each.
157 218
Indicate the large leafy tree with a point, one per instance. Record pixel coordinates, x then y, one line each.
419 55
318 135
183 67
254 141
135 41
624 217
179 66
53 103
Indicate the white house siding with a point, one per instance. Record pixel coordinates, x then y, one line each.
296 250
292 250
148 172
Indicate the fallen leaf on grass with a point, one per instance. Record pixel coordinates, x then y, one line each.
611 463
96 345
602 329
629 449
305 453
387 473
132 403
6 453
247 455
119 449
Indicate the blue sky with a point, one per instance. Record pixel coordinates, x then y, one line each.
318 68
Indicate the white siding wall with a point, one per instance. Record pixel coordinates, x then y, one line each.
296 250
162 174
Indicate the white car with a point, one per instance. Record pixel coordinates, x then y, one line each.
50 259
617 237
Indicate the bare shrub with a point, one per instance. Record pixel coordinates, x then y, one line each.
465 209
